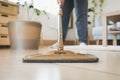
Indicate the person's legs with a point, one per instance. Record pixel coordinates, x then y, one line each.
81 9
67 9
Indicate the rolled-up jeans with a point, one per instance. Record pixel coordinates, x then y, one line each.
81 11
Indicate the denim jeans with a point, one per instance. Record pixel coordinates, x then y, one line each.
81 10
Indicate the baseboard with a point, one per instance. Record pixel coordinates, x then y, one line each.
51 42
70 42
48 42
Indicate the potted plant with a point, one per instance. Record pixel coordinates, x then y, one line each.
29 7
95 11
94 15
25 34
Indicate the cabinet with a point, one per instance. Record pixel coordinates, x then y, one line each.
8 12
114 17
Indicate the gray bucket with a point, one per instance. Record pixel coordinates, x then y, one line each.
24 34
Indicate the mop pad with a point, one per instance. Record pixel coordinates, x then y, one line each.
61 57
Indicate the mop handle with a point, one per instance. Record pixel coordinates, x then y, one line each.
60 38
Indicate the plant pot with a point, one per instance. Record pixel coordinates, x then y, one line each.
24 34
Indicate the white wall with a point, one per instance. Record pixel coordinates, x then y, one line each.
111 5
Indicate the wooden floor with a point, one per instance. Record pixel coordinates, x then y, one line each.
12 67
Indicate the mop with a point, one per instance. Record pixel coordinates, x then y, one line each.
60 55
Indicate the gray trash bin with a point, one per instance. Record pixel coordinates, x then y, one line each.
24 34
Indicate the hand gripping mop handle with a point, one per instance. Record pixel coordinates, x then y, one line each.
60 38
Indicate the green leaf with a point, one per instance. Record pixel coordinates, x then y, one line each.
23 5
31 6
102 1
91 9
89 22
37 12
18 3
44 12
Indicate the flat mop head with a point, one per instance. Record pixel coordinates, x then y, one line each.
64 56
